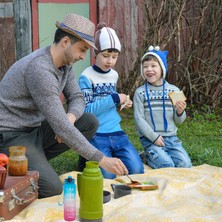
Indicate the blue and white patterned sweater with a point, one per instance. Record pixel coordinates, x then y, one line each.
99 90
142 112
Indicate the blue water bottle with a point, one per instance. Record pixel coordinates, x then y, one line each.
69 199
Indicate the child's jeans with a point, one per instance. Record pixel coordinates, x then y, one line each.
119 147
171 155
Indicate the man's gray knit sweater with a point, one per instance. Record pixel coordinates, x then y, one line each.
29 93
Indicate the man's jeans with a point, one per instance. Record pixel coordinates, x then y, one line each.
171 155
41 146
119 147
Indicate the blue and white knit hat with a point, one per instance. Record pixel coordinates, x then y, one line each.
106 38
161 57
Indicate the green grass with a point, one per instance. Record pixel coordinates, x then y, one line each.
201 136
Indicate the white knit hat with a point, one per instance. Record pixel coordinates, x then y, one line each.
106 38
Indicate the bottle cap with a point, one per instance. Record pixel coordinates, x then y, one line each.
70 179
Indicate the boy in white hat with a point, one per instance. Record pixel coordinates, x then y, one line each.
155 115
32 115
98 84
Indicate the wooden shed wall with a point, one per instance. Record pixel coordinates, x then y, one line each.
7 51
19 27
15 32
126 18
23 27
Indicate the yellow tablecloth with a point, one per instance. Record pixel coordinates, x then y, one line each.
193 195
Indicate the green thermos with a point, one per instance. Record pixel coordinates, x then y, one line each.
90 189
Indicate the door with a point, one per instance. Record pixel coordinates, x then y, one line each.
46 12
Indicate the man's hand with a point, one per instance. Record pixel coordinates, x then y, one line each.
58 139
113 165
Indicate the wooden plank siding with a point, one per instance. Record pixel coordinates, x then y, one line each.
15 32
19 28
23 28
126 18
22 37
7 41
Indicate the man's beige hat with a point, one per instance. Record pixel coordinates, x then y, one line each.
78 26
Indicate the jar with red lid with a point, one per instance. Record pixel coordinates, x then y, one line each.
18 162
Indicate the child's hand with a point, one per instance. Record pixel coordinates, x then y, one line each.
127 104
123 98
180 106
159 141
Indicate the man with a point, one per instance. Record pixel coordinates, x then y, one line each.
32 115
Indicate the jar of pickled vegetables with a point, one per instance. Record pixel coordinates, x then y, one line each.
18 162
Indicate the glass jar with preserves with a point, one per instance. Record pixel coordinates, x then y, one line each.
18 162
